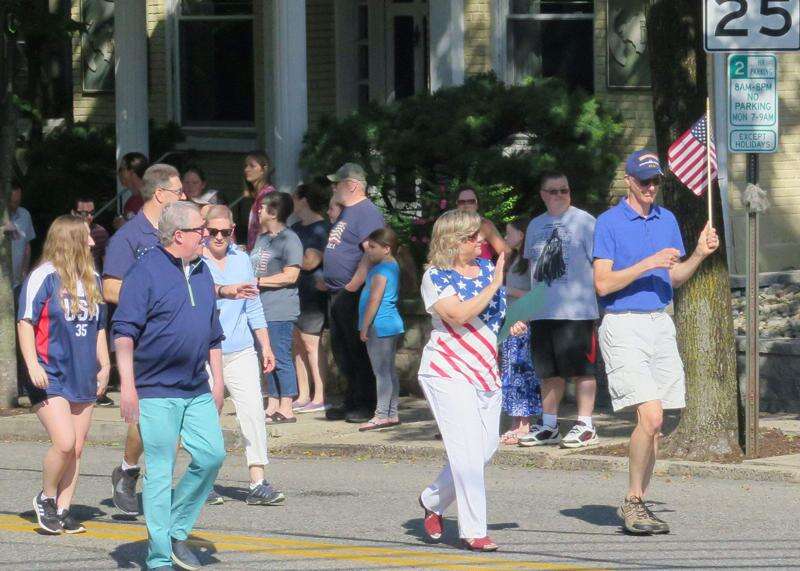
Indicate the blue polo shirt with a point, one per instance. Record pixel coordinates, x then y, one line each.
128 244
626 237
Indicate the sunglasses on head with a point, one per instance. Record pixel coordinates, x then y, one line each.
555 191
226 233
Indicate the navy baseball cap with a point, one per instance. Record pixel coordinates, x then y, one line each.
643 165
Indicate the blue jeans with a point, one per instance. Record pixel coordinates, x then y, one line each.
282 382
382 351
172 513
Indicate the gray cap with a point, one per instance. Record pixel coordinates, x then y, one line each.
352 171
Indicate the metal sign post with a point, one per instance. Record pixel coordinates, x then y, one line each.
751 406
752 129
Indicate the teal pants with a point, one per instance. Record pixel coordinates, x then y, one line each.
172 513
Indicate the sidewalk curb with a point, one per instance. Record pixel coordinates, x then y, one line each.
27 428
543 460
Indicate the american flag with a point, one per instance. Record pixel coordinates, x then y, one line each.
687 158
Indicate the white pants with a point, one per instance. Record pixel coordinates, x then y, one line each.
469 421
242 376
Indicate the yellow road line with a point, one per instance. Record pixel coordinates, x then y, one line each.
303 549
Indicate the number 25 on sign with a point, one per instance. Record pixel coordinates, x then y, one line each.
751 25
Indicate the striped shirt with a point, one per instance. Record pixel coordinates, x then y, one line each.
463 352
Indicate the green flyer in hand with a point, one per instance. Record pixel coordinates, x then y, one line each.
523 309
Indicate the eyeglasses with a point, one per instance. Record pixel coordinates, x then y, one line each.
226 233
84 213
200 230
466 201
176 191
555 191
655 181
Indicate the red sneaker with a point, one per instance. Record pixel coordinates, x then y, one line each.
432 523
481 544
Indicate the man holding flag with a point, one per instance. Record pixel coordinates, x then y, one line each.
637 262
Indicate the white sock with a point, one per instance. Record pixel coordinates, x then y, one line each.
62 511
45 497
587 420
254 485
550 420
126 466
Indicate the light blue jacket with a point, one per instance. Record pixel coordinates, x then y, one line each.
238 316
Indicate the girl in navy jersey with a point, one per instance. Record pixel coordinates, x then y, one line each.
61 324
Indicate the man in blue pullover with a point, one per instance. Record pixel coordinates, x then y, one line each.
167 312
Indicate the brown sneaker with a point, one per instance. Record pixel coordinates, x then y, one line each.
638 519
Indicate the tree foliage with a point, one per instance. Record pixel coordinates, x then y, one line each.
427 146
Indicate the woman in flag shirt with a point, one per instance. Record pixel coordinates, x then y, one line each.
466 299
61 326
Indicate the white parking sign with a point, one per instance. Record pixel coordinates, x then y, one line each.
751 25
753 103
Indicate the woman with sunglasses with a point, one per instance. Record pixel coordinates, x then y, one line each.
465 297
277 257
241 320
492 244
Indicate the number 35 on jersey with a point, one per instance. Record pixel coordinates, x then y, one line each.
751 25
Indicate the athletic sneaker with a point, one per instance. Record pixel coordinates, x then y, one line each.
214 499
123 484
638 519
579 436
540 436
105 400
47 514
69 525
183 557
264 495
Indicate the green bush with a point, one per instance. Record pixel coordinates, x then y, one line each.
457 136
79 160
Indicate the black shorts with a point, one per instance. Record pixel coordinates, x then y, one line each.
563 348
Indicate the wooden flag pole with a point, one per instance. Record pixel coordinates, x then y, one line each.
709 187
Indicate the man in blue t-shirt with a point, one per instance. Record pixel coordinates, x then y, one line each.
637 262
345 269
162 186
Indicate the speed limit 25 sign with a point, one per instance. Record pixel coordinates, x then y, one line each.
751 25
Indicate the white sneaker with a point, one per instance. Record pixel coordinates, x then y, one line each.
540 436
580 436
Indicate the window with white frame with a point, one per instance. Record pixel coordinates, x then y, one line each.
551 38
215 66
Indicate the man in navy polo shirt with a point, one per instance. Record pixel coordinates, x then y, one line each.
638 260
162 187
167 311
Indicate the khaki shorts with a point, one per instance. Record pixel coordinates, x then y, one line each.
642 360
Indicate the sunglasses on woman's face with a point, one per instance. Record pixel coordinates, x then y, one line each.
473 237
226 233
466 201
555 191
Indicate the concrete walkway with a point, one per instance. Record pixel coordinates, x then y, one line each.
416 438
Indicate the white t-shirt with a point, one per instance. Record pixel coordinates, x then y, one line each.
468 352
571 296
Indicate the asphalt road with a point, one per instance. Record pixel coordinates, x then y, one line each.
348 513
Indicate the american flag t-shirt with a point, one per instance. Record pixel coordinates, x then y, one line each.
467 352
687 158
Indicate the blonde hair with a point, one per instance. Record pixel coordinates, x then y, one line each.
67 248
218 211
449 230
